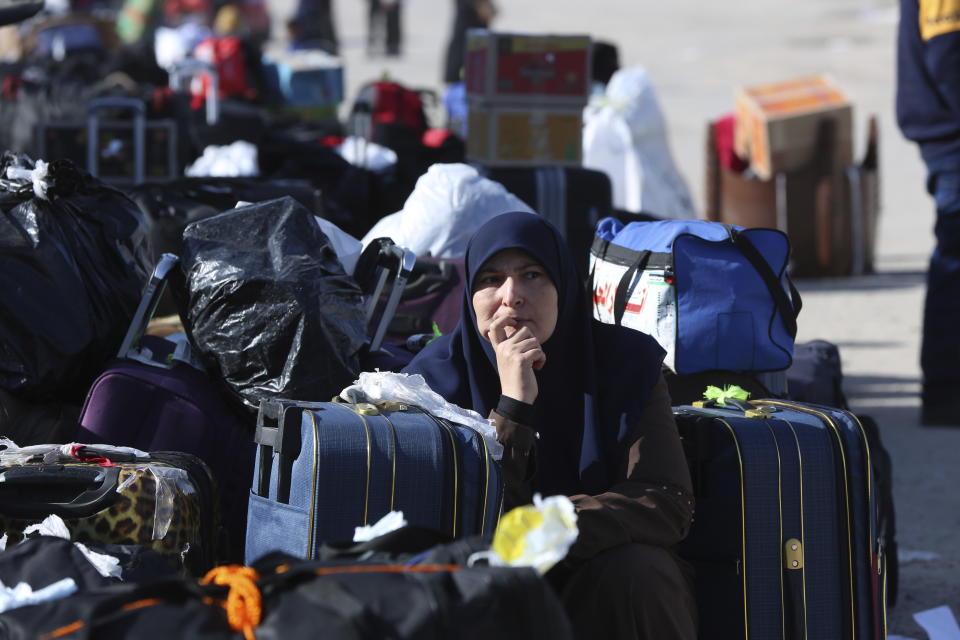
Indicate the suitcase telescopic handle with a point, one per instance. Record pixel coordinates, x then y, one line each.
148 303
278 435
405 261
69 491
187 70
139 110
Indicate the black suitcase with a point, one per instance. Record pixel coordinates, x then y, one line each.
787 541
816 374
573 199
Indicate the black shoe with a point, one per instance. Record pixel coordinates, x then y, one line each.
940 414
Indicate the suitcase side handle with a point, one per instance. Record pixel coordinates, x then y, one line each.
65 490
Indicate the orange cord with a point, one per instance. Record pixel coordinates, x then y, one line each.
244 605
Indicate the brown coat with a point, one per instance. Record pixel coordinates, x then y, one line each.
652 501
621 579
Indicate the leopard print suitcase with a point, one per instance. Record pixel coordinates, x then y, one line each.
166 502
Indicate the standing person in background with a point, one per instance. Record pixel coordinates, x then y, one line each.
928 112
383 28
313 27
468 14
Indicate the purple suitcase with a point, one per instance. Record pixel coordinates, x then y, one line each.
152 400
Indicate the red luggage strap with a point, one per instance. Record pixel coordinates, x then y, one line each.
100 460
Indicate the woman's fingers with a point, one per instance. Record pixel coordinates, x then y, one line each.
535 358
497 332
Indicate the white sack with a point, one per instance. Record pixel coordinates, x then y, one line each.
625 136
449 203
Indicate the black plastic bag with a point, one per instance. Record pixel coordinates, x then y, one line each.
72 268
269 305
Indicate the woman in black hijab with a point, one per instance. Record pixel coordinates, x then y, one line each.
582 410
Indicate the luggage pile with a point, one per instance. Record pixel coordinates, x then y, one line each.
173 349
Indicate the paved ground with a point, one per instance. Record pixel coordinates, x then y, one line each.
696 53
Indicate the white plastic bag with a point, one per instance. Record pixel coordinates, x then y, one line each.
347 248
13 455
53 525
236 160
449 203
172 45
368 155
537 535
625 136
23 594
390 522
386 386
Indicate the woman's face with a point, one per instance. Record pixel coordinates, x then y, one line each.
515 285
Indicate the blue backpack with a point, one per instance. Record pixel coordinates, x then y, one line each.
715 296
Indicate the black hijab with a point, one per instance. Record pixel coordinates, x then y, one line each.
596 381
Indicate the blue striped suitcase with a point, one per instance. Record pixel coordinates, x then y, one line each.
324 468
786 541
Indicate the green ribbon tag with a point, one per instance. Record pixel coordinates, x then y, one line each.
436 333
732 392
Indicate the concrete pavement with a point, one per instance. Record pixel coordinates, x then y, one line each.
697 53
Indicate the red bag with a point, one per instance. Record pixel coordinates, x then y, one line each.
226 55
176 10
391 103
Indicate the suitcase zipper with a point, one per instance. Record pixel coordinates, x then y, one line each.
847 497
486 482
311 526
456 470
361 413
393 461
803 531
200 474
742 562
783 586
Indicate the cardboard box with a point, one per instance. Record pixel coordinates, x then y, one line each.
777 123
527 69
830 213
510 136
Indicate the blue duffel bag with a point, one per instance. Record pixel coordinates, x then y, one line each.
715 296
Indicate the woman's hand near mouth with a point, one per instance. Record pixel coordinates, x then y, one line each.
518 356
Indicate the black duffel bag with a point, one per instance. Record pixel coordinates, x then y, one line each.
283 597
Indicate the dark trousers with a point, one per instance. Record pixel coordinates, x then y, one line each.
386 20
632 592
940 353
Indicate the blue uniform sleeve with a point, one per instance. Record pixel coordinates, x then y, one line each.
942 58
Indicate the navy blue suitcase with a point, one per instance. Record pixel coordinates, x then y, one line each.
786 541
323 469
